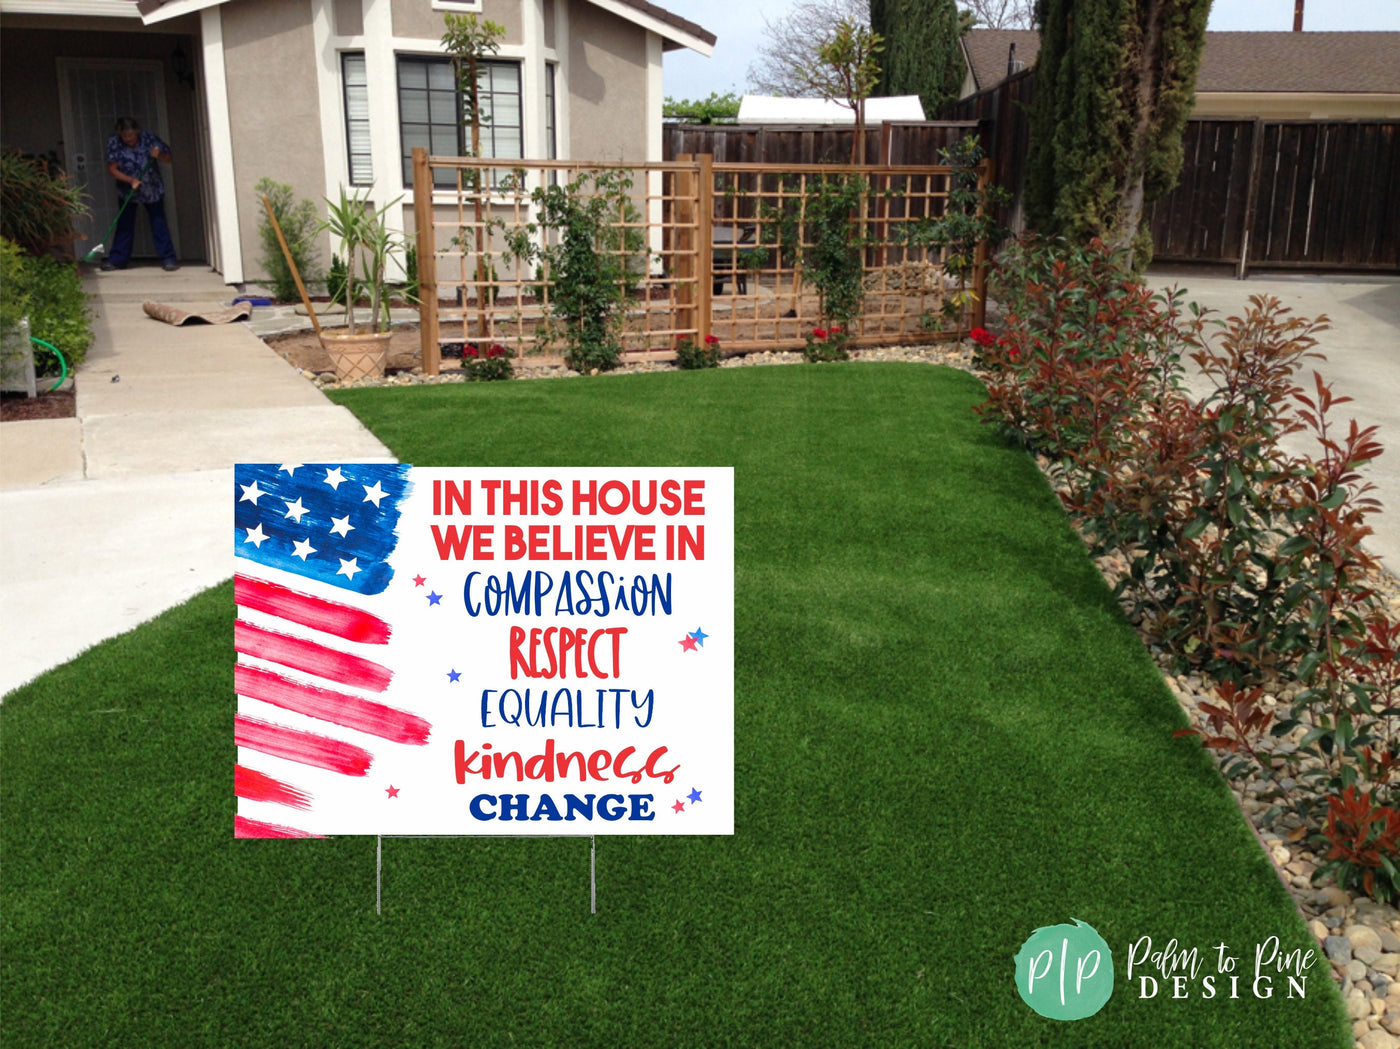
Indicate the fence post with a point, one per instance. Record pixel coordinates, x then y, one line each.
705 248
426 238
1251 193
979 272
683 243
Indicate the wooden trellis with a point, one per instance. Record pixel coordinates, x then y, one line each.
704 249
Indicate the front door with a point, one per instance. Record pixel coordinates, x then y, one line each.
93 93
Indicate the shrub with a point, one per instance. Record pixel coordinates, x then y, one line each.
50 293
826 344
336 280
1243 561
38 207
691 355
1363 846
300 227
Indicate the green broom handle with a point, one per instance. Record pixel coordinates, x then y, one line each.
108 236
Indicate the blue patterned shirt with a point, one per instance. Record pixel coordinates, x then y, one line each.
130 160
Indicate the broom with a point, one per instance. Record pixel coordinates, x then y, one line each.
101 244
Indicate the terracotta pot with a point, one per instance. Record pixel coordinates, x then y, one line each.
357 356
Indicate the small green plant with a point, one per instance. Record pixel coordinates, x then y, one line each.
300 226
336 280
691 355
38 205
50 293
826 344
492 366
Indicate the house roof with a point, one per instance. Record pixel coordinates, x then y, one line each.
986 51
674 30
1363 63
1312 63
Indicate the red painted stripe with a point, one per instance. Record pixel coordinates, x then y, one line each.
246 828
305 747
258 786
315 659
363 715
332 617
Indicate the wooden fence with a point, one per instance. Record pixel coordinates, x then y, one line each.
899 144
706 249
1284 194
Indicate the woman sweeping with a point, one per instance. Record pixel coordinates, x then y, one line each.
131 160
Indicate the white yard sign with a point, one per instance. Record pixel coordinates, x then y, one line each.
483 651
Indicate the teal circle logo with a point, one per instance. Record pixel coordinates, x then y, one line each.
1065 972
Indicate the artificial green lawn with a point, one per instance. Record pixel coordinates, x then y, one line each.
946 736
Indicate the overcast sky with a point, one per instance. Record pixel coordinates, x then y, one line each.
739 26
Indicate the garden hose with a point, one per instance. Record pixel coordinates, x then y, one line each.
62 363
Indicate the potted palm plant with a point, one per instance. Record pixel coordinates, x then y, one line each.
366 245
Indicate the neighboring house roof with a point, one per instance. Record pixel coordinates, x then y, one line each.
1316 63
675 30
770 109
986 51
1309 62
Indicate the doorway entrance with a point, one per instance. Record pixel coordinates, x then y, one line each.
93 93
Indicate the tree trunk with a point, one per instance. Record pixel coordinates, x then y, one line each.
1127 218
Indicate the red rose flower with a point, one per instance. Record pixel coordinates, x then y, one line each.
819 333
470 350
496 350
711 340
835 331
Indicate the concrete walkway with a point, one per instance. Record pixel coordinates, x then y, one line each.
110 518
1362 347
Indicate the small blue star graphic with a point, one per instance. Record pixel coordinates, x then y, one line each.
435 599
694 795
454 675
699 636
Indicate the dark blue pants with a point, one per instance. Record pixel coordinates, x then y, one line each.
122 240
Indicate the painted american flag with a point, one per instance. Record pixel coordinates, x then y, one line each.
313 543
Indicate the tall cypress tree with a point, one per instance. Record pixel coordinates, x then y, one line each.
1114 84
922 52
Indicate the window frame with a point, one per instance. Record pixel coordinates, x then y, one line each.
462 131
345 86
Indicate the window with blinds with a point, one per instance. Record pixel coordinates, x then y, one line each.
352 65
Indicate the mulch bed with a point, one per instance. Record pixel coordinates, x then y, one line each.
16 407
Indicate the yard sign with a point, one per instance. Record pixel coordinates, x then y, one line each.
483 651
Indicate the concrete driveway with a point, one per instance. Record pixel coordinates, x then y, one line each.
109 518
1362 347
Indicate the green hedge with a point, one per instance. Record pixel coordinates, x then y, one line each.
50 293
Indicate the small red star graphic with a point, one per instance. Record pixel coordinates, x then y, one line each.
688 645
679 806
393 791
419 580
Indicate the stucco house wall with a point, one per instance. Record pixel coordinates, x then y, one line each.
607 84
273 111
